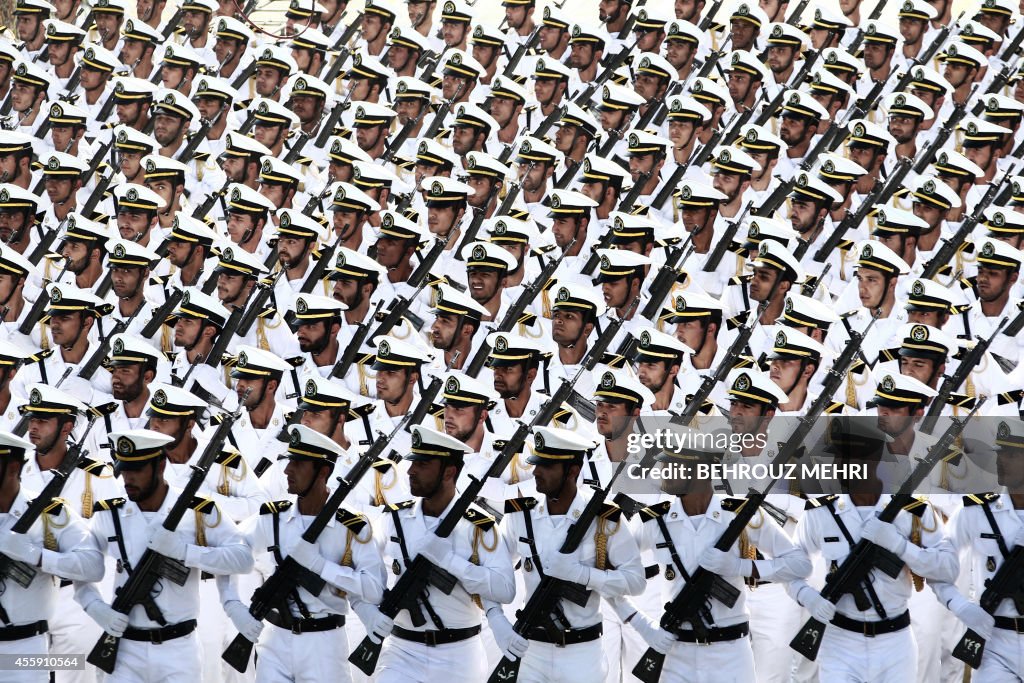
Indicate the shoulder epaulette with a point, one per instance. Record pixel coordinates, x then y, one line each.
740 279
109 504
610 511
849 313
1011 397
961 401
733 504
229 459
201 156
55 508
820 501
274 507
304 161
478 518
834 408
202 504
519 504
364 410
404 505
858 367
845 245
980 499
655 511
353 520
889 354
90 466
383 465
916 507
543 249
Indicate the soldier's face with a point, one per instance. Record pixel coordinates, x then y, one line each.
745 418
367 137
126 281
609 10
550 37
167 129
398 57
392 384
484 285
652 375
993 283
306 108
229 287
76 254
140 483
93 79
581 55
484 54
648 40
461 421
743 34
876 55
131 224
792 130
186 333
681 132
804 215
932 215
691 333
58 189
445 331
108 25
66 327
729 184
894 421
126 381
903 128
451 85
453 33
463 139
1010 468
312 337
695 217
208 106
43 433
503 110
911 29
275 192
544 89
616 292
299 475
549 477
390 253
441 220
785 372
762 283
267 80
239 225
871 287
509 380
565 229
131 50
921 369
167 192
129 113
780 58
59 53
194 22
678 52
932 318
611 419
8 283
320 421
64 8
646 85
11 222
252 389
566 326
686 9
27 26
425 476
290 249
22 96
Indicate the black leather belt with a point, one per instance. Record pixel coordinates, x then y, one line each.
570 637
435 638
24 631
1015 624
328 623
160 635
873 628
714 635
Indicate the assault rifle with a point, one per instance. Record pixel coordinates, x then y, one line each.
725 241
853 575
161 314
258 299
1005 584
341 368
408 591
154 567
100 354
418 280
194 141
517 56
939 141
289 575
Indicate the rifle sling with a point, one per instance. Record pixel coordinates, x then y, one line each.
705 612
868 587
996 534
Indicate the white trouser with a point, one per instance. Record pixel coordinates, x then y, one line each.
303 657
931 623
1003 661
36 645
172 661
355 632
72 631
213 623
247 583
730 661
774 620
848 657
403 661
578 663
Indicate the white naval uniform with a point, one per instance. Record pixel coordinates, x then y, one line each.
224 553
624 575
971 534
727 660
74 557
405 661
850 656
311 657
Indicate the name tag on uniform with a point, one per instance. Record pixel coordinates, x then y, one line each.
831 539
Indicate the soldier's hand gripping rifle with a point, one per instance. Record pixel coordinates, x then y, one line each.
689 604
544 609
853 575
950 247
289 574
515 311
407 593
1006 584
726 240
23 573
152 566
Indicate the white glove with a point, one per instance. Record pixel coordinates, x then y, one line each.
565 567
247 625
976 619
512 645
820 608
724 563
884 535
109 619
655 636
308 555
167 543
438 550
378 625
20 547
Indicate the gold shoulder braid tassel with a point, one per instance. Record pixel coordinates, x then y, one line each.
44 342
601 541
851 390
363 390
166 344
379 487
87 497
49 539
346 556
226 476
748 551
478 540
261 335
916 527
513 470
